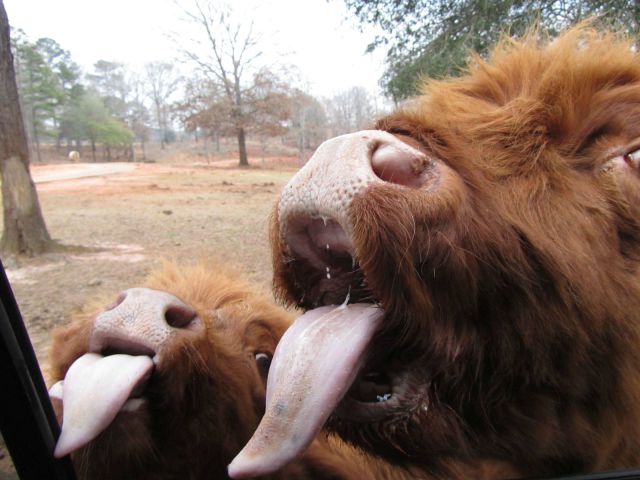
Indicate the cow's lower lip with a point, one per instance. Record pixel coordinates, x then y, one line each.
134 404
384 398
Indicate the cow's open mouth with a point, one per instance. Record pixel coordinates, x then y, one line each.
138 397
99 386
325 362
371 387
326 269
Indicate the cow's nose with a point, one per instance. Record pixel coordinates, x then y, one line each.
342 169
141 322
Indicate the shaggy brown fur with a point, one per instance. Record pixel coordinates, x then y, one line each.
206 396
511 283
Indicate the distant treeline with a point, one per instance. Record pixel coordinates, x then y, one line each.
114 107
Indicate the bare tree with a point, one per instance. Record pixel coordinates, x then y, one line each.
308 122
268 104
231 48
350 110
162 81
204 110
138 115
25 231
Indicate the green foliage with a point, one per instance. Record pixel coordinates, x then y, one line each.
114 133
96 124
57 105
432 38
41 92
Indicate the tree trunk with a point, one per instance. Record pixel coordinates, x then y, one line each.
58 137
144 151
237 114
160 125
242 148
24 231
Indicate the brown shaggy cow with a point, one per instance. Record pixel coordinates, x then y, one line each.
175 383
486 236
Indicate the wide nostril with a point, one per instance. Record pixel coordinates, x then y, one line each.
400 164
179 316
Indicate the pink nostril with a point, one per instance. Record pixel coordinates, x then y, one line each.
400 164
179 316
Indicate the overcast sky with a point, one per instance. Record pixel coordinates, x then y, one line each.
311 34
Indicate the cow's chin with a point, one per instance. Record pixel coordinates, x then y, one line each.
386 429
129 438
375 395
131 429
124 449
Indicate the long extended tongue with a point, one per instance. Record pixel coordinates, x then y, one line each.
315 363
94 390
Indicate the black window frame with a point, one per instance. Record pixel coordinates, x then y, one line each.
27 420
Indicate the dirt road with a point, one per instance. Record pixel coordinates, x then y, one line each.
60 172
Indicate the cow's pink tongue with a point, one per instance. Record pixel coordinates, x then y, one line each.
314 365
94 390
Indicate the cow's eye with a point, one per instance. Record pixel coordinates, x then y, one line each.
263 362
633 158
